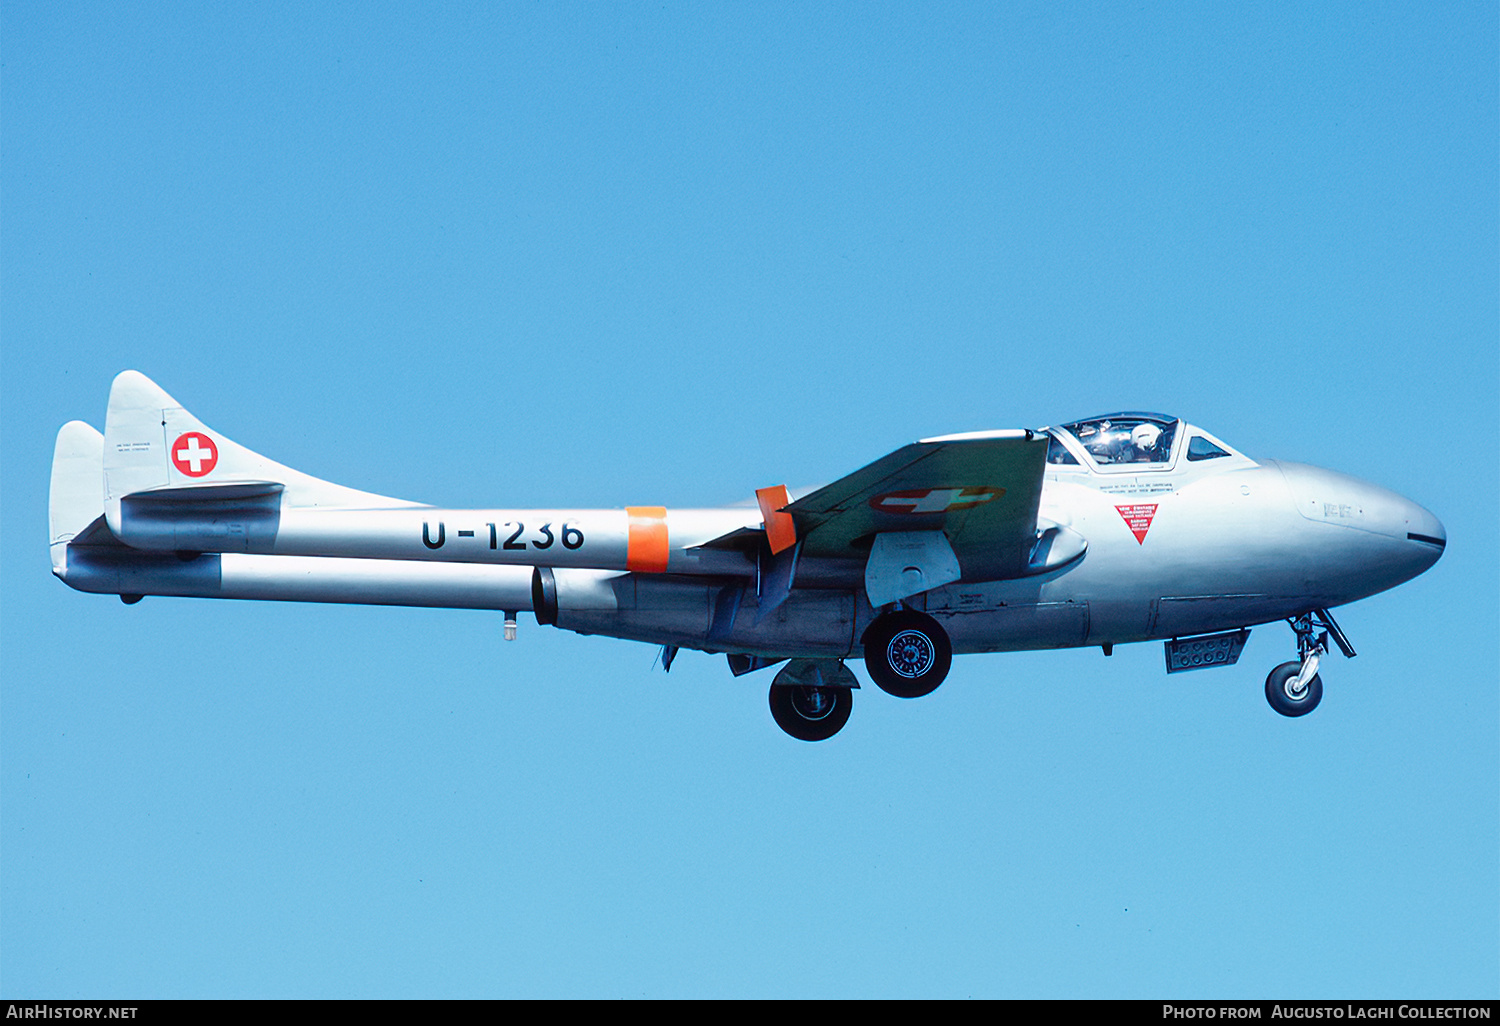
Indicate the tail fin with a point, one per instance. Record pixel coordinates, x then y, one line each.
76 498
152 444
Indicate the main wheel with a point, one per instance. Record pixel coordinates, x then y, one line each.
1279 691
907 653
810 713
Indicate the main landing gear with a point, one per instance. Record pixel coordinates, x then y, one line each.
1294 688
811 698
907 653
809 712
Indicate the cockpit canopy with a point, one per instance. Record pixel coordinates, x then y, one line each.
1127 437
1143 441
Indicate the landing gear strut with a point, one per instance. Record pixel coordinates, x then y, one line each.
1295 689
907 653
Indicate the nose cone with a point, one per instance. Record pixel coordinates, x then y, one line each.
1425 533
1386 538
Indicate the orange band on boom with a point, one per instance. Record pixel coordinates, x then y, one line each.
646 543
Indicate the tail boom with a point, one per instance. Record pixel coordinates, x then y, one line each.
119 570
581 539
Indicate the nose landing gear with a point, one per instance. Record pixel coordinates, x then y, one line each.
1292 691
1294 688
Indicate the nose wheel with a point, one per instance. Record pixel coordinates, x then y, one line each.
1295 689
1289 694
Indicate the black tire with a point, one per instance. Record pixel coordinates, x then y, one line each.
810 713
1284 701
907 653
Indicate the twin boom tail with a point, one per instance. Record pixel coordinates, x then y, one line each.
161 504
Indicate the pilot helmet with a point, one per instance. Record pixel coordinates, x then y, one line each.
1145 436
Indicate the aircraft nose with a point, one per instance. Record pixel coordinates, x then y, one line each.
1425 530
1412 539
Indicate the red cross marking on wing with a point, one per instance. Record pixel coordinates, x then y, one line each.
934 500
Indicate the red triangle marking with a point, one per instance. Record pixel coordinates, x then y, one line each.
1138 519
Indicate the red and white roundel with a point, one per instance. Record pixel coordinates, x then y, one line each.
934 500
194 454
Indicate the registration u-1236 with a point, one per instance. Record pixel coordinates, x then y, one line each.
1099 532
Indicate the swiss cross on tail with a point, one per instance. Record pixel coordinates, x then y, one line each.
1138 519
194 454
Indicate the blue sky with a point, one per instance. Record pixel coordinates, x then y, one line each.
598 255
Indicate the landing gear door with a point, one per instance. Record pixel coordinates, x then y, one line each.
907 563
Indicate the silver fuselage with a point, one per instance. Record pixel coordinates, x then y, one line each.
1226 547
1171 550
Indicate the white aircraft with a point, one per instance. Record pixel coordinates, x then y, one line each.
1115 529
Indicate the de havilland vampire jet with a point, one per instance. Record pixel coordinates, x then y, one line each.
1121 528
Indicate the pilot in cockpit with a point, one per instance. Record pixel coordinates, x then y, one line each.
1112 442
1146 441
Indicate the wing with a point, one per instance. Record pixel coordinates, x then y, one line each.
981 490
